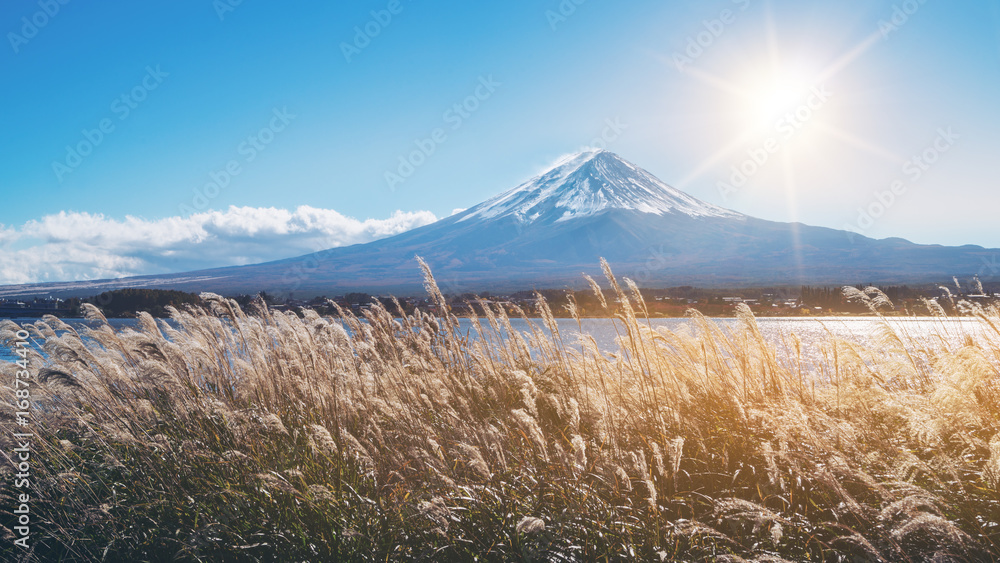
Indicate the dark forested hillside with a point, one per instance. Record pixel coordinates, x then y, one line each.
129 302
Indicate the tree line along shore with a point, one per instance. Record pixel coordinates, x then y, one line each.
671 302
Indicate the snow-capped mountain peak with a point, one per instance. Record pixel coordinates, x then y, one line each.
589 183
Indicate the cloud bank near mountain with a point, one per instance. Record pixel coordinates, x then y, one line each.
75 246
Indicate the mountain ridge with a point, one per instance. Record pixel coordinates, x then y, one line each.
587 183
557 225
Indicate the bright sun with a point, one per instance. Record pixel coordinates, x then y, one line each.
776 102
767 95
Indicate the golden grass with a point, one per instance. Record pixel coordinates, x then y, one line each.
273 437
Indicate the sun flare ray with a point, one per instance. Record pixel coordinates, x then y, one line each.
859 143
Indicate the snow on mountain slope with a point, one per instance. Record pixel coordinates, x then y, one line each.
547 231
586 184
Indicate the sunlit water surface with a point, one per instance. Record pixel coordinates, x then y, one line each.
814 333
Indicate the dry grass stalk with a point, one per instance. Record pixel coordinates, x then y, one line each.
222 434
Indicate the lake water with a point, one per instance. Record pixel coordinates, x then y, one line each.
778 331
920 331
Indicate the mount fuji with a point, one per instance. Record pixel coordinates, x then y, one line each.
555 226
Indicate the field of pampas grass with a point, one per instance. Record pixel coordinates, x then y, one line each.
223 436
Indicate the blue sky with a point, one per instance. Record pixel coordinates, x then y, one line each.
309 128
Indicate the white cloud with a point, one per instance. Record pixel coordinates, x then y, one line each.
71 246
